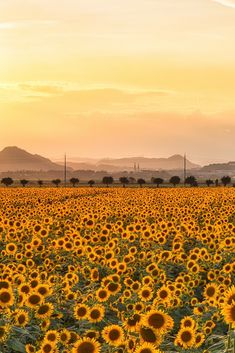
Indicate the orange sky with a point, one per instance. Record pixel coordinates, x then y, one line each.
115 78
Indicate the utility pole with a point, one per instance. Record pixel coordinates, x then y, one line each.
185 168
65 170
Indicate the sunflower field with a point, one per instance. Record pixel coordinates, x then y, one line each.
112 270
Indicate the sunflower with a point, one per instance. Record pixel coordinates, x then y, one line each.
5 284
185 338
113 288
187 321
199 339
86 345
29 348
6 297
47 347
44 289
81 311
145 293
52 337
24 288
92 334
229 295
4 332
102 294
45 310
158 321
11 248
113 335
96 313
229 313
21 318
34 299
132 323
64 336
149 335
211 291
146 348
164 294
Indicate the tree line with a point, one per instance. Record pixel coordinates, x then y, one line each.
109 180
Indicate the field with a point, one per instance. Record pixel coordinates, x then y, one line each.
94 270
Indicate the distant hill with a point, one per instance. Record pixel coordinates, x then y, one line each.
17 159
174 162
230 166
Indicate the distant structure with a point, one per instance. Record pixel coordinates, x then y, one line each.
135 167
138 167
65 170
185 167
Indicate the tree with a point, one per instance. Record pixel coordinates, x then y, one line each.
175 180
91 183
7 181
209 182
191 180
141 182
74 181
225 180
157 181
124 181
56 182
107 180
24 182
40 183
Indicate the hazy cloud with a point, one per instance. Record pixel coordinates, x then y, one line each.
228 3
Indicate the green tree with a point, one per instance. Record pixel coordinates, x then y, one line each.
107 180
91 182
191 180
209 182
174 180
226 180
40 183
56 182
141 182
124 181
74 181
157 181
7 181
24 182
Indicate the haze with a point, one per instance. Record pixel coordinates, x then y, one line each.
101 78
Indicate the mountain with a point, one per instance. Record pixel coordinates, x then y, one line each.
174 162
16 159
230 166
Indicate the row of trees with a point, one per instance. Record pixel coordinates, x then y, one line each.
108 180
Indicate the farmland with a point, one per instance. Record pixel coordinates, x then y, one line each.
137 270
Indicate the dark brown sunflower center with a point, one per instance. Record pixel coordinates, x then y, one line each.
210 291
86 347
34 299
81 311
186 336
43 309
95 314
5 297
114 335
148 335
156 320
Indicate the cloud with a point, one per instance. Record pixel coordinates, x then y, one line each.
25 24
227 3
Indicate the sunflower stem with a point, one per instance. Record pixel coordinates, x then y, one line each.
229 339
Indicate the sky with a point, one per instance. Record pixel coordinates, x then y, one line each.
108 78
